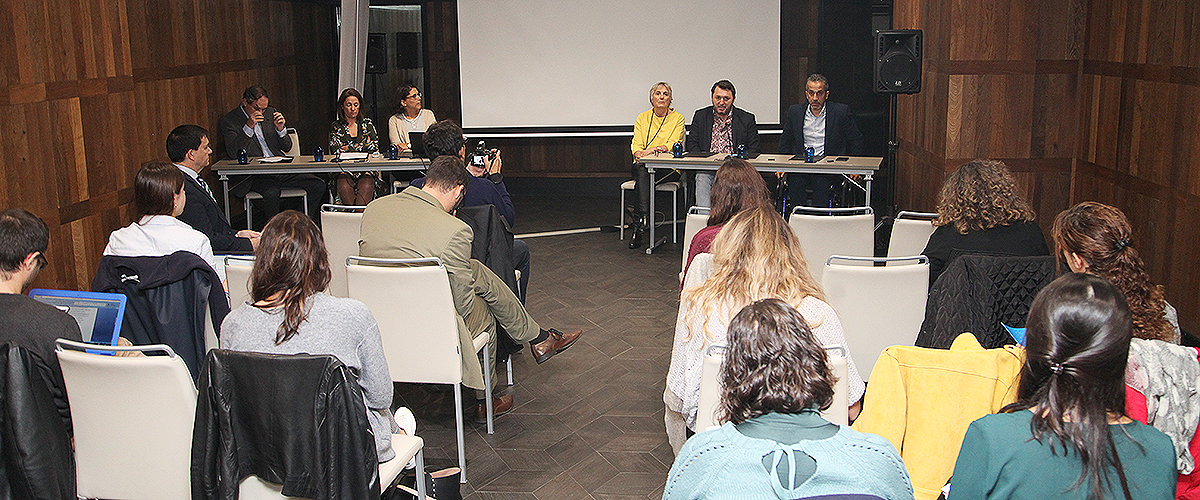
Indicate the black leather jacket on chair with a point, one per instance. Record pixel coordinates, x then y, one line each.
298 421
167 299
36 459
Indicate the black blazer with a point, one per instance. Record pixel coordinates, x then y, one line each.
202 213
745 131
841 132
236 138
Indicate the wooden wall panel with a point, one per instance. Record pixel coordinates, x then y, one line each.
90 89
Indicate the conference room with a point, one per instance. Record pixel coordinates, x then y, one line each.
1086 103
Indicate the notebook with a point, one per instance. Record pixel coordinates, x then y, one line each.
99 314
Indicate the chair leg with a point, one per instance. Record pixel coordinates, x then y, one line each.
509 365
420 474
675 217
487 384
458 419
305 202
621 214
248 221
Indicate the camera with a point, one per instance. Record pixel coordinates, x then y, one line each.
482 153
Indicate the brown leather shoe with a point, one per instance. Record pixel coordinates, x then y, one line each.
500 405
555 343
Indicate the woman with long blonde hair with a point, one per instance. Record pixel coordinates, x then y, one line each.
755 256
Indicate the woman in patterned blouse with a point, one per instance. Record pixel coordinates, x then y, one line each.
352 132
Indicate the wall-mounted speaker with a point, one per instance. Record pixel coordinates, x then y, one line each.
377 53
897 61
408 49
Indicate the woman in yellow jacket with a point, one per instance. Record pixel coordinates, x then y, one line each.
654 132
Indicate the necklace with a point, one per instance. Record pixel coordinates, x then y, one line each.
650 138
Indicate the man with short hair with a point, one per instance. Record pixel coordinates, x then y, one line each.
24 320
187 147
486 186
828 128
721 129
242 128
417 222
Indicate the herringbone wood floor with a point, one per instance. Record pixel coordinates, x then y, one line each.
588 424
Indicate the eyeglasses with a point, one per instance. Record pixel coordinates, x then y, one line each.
41 260
414 96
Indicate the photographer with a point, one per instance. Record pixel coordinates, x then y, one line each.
486 186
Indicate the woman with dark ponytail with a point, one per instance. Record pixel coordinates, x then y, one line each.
1095 238
1067 436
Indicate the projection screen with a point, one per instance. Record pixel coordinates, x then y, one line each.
556 64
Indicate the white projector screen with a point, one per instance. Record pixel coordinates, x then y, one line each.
550 63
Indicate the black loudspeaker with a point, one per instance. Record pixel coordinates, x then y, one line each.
377 53
897 61
408 50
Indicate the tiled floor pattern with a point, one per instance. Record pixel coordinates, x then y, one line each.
588 423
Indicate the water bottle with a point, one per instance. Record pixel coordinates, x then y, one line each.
810 155
677 150
740 152
393 152
318 154
242 158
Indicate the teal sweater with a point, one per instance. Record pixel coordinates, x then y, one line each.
725 463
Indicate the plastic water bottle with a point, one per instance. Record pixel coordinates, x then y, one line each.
242 158
810 155
677 150
393 152
318 154
740 152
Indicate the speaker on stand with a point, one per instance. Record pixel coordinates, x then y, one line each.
897 71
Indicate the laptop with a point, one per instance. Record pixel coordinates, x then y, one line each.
416 142
99 314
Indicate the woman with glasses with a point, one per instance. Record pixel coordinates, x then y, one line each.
409 117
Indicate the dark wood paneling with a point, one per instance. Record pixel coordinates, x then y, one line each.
90 89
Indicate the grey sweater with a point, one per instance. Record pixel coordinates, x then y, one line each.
341 327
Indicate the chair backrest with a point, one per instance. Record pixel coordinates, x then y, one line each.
878 306
710 388
340 226
833 231
910 233
697 218
133 419
411 301
295 151
36 460
839 363
237 278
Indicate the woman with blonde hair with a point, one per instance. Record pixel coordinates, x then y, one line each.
1095 238
982 211
755 256
654 132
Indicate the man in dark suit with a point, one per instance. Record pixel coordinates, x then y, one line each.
187 146
827 127
242 128
720 129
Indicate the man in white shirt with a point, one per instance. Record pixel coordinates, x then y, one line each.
828 128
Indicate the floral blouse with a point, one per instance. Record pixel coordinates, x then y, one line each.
341 140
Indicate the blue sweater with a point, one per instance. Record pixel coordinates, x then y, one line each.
724 463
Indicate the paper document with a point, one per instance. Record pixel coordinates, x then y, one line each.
274 159
344 156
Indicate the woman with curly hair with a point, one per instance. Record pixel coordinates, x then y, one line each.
1095 238
755 256
776 380
981 211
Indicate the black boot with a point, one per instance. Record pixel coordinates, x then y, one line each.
639 234
445 484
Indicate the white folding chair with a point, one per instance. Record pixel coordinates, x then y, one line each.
672 187
133 419
879 306
411 301
237 278
839 411
710 388
910 233
695 220
833 231
340 226
295 151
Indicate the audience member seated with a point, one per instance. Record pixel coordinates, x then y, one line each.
242 129
738 186
409 117
353 133
486 187
755 256
291 314
159 197
23 320
651 139
1067 436
417 223
775 381
187 147
1097 239
981 210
